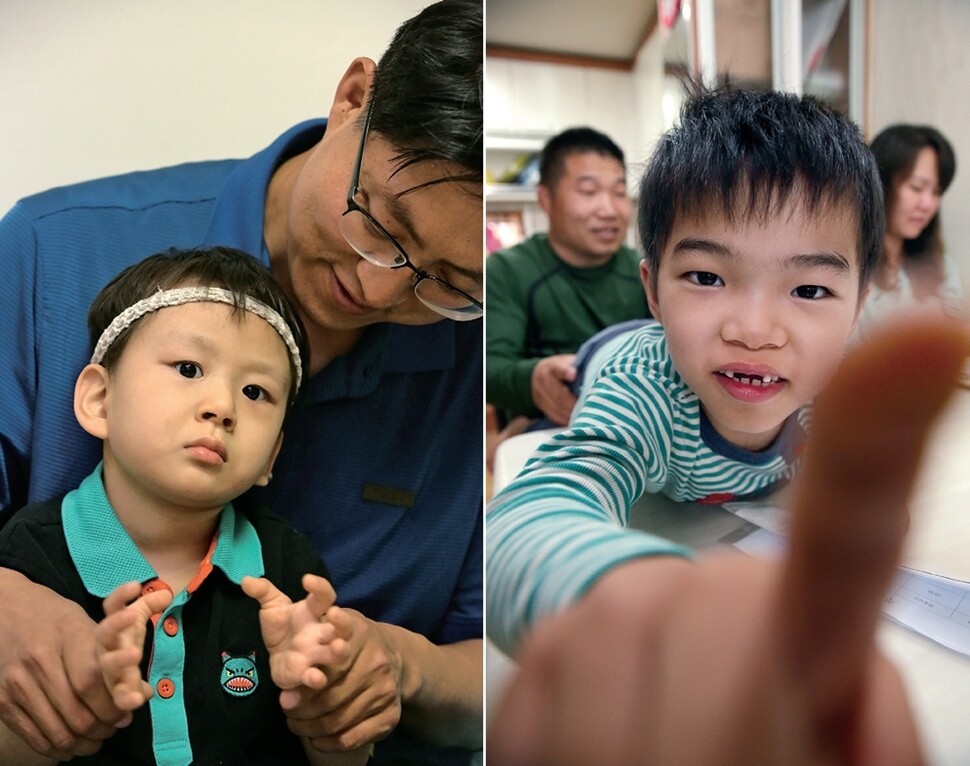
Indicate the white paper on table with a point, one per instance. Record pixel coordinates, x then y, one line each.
939 535
936 607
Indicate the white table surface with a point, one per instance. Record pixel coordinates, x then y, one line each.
938 679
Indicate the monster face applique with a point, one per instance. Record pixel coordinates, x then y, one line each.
239 676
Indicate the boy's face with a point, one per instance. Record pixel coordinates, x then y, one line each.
194 407
757 314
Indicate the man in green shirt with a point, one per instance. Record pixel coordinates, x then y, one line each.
554 290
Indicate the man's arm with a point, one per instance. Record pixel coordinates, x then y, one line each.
508 373
441 688
15 752
393 676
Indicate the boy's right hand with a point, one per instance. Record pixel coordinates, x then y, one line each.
120 640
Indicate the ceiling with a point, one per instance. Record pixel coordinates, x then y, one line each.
612 30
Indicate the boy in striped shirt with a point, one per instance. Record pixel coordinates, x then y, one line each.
761 220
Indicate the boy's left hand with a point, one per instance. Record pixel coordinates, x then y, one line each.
299 636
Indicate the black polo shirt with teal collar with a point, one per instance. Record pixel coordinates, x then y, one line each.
214 700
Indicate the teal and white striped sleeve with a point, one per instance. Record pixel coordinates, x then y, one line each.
561 523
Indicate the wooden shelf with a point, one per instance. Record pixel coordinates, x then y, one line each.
510 193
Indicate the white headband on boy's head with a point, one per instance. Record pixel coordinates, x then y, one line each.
180 295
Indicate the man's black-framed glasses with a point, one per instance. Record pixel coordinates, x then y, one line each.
373 243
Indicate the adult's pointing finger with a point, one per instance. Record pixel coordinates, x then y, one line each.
850 517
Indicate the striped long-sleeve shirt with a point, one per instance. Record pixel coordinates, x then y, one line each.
561 523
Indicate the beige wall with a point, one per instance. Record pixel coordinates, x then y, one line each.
920 66
104 86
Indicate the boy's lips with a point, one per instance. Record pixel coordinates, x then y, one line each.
208 450
750 383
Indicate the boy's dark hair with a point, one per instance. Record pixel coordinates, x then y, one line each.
745 152
582 140
895 150
225 267
427 90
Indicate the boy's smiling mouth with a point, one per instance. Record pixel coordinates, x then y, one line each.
748 385
749 379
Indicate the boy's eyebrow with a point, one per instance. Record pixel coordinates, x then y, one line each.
205 343
825 259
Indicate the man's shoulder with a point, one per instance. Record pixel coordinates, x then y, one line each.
524 251
627 253
137 191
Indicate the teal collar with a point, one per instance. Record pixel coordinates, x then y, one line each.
106 556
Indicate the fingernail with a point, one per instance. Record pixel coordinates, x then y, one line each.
124 721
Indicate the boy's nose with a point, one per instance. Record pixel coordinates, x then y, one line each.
755 327
219 407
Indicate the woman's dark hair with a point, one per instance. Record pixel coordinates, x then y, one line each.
232 270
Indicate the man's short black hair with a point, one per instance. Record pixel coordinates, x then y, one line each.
427 90
581 140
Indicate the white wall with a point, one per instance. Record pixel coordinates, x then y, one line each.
921 73
98 87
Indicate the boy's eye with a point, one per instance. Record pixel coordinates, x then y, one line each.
188 369
254 392
811 292
704 278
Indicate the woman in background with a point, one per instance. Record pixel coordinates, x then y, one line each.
916 165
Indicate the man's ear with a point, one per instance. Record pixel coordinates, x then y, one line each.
545 198
90 395
267 473
648 288
352 91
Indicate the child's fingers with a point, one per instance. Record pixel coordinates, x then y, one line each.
152 603
121 596
117 664
320 594
313 678
267 594
127 697
342 621
129 597
113 632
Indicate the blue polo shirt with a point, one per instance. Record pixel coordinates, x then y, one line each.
214 699
381 465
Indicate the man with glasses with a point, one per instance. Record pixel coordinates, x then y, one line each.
372 223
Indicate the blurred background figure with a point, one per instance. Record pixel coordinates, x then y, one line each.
916 165
556 289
